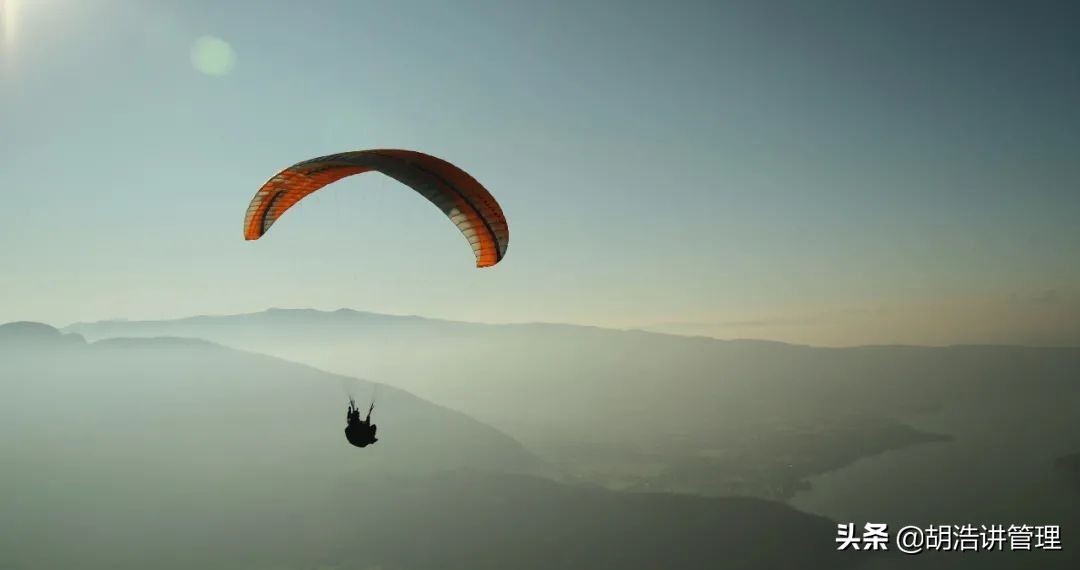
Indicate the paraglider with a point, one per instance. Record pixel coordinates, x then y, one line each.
457 194
359 432
460 197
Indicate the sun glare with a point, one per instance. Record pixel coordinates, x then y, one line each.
9 14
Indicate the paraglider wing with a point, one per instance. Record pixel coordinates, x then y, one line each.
464 200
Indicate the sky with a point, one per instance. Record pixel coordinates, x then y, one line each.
830 173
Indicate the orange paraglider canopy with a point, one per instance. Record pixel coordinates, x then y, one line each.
464 200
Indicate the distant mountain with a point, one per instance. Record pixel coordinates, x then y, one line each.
178 453
649 411
273 316
609 382
186 404
30 334
652 412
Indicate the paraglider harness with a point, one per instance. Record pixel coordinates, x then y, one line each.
360 433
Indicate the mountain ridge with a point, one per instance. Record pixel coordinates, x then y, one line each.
193 379
352 316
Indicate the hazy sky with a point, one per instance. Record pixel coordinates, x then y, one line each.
830 172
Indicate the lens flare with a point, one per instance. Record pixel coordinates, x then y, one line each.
9 17
213 56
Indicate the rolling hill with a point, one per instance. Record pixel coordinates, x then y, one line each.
179 453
